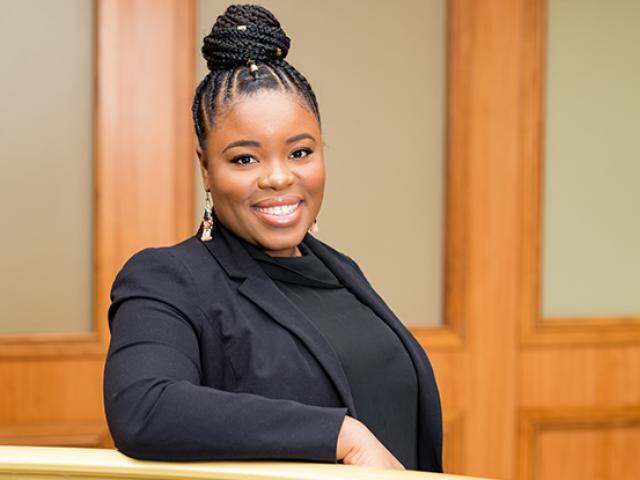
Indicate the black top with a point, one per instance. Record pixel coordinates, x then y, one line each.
378 368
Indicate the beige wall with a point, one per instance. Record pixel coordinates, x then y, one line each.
46 165
591 246
378 69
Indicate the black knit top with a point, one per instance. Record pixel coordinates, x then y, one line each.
377 366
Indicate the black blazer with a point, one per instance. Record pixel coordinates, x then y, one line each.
210 360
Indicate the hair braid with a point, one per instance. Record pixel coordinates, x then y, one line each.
196 108
302 85
228 83
244 36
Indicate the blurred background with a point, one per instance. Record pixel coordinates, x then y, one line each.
483 160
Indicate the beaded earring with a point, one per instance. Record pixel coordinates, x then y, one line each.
207 220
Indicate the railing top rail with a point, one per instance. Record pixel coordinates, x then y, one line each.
57 462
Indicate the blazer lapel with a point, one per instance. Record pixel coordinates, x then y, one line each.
260 289
430 427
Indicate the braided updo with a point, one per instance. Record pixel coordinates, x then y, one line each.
245 52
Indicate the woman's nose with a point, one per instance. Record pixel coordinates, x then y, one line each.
277 176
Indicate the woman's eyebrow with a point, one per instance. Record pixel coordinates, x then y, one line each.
242 143
254 143
301 136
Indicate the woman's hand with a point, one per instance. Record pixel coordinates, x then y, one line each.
358 446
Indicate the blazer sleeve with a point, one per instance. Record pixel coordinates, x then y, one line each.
156 406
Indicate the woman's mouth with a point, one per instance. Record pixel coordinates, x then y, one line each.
280 215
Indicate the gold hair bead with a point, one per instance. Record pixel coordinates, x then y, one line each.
252 65
242 28
278 52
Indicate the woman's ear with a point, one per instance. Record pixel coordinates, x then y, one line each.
202 161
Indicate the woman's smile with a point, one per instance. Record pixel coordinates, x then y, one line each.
279 211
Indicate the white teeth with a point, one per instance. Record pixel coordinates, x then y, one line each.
280 209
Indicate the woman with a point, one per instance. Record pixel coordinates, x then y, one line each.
253 339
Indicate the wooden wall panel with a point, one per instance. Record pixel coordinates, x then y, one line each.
51 390
52 383
605 376
578 443
606 453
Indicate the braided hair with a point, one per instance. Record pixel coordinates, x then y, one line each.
245 53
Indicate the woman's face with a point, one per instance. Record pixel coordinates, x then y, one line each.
264 166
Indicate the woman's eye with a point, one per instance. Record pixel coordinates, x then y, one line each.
303 152
243 160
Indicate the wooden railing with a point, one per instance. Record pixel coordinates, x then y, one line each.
48 463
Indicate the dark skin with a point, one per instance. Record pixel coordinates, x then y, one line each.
268 146
285 157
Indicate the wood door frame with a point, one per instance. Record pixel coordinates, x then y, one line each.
116 209
475 354
537 330
144 74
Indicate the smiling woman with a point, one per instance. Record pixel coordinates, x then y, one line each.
253 339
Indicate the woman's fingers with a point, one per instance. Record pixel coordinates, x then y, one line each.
358 446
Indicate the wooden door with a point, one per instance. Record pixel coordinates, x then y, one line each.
143 164
524 396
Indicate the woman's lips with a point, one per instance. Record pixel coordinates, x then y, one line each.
280 215
279 200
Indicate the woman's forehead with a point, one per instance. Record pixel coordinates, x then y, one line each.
267 115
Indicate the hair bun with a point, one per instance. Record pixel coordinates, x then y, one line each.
244 32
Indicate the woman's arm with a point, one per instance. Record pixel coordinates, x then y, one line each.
155 405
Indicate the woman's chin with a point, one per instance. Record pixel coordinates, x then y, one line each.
284 242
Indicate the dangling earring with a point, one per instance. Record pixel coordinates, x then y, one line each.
207 220
314 227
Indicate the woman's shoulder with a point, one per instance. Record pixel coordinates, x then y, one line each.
174 257
171 269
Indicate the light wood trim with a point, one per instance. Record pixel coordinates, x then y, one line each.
531 187
576 331
25 462
442 338
535 421
449 335
456 262
484 162
536 330
453 448
51 345
70 434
